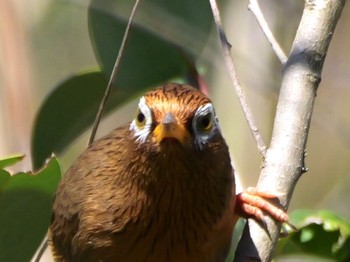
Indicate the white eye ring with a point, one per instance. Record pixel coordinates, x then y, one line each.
202 136
142 131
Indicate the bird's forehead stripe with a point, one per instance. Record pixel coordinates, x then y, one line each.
181 101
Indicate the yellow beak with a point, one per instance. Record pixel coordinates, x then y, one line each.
169 128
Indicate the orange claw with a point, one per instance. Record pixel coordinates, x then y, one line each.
253 203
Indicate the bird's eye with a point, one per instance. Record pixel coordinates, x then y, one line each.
205 123
140 118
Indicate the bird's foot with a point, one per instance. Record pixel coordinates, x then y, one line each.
253 203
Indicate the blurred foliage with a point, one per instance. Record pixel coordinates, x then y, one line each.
320 233
25 204
10 160
66 112
148 60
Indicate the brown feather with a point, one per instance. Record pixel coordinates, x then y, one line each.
125 201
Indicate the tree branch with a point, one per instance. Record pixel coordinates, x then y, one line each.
226 48
284 163
115 70
255 9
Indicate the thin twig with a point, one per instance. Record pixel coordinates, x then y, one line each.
114 74
43 247
226 47
255 9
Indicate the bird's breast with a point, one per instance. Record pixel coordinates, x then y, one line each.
186 215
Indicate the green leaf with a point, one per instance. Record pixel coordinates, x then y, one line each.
66 113
164 41
10 160
25 207
321 233
155 53
4 177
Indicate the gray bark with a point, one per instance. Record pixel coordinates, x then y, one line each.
284 162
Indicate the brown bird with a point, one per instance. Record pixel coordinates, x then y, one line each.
159 189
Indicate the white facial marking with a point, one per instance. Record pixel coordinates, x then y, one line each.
142 131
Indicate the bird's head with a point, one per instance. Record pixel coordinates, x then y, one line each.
176 115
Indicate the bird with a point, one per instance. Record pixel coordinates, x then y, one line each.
160 188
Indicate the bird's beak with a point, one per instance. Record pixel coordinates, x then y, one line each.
169 128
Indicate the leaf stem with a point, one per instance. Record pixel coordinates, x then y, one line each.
113 77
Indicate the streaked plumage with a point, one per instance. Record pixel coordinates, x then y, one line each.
158 189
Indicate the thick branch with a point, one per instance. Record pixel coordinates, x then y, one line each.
284 161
